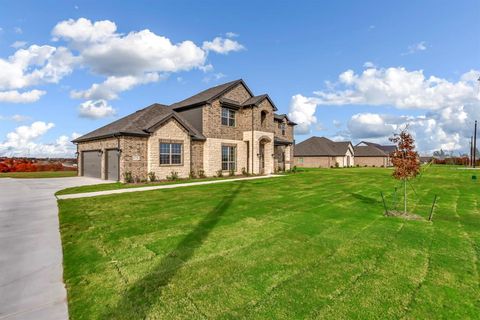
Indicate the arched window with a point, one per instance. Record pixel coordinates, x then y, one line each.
263 117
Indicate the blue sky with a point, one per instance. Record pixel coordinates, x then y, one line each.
288 49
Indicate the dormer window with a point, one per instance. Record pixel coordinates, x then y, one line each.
228 117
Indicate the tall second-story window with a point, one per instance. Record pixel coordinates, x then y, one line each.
228 117
263 117
283 128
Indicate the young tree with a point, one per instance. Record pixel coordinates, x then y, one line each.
405 160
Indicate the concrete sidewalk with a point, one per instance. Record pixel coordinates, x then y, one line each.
169 186
31 272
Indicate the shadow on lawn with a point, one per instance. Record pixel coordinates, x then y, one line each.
365 199
138 299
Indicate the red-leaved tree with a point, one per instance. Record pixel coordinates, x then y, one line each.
405 160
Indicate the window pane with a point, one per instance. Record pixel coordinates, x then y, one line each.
176 148
164 159
165 148
225 112
231 122
176 159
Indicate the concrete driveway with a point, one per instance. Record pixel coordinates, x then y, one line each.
31 273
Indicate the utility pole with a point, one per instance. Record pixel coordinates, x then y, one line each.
475 144
470 159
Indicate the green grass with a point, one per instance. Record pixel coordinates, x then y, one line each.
39 174
306 246
119 185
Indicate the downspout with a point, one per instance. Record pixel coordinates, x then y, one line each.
119 155
252 139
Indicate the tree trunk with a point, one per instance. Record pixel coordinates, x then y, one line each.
405 196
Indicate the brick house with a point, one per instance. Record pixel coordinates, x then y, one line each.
320 152
373 155
224 128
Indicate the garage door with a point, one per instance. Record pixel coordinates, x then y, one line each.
92 164
112 165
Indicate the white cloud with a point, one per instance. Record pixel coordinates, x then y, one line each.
369 64
231 34
302 112
131 59
35 65
18 44
431 132
369 125
126 60
400 88
109 53
96 109
213 77
110 88
18 30
23 141
20 118
14 96
337 123
222 46
421 46
15 117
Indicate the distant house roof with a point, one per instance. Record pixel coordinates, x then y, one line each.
321 146
369 151
208 95
140 123
386 148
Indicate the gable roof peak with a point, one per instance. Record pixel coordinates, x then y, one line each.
207 95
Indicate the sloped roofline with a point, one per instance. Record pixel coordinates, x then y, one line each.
210 99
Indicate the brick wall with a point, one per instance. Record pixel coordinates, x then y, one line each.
133 157
371 161
212 157
197 155
173 131
314 162
238 93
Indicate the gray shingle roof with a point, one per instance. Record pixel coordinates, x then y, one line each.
385 148
207 95
321 146
139 123
369 151
280 117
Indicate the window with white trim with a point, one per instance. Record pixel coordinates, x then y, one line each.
228 117
229 158
170 153
283 128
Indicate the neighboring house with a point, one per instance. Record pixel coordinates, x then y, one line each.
320 152
373 155
224 128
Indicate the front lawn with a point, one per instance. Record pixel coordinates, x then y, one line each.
307 246
120 185
39 174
